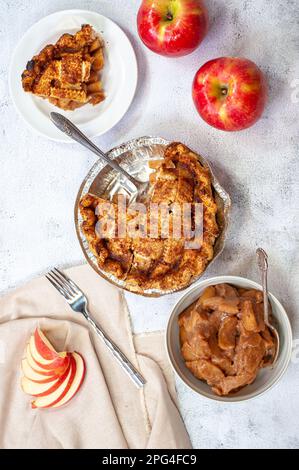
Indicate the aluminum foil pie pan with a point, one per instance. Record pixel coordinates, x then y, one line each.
104 182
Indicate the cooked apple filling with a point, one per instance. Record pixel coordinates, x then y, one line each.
224 340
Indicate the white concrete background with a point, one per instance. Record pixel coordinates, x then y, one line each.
259 167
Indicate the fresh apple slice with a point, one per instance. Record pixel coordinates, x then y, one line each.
41 370
42 389
46 363
43 346
77 382
39 377
50 400
35 376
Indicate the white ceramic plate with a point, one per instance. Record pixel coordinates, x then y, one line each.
119 75
265 379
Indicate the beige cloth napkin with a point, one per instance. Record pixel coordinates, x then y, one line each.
109 411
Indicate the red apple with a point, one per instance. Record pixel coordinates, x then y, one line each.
230 93
172 27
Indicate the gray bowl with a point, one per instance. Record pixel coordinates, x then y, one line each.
266 378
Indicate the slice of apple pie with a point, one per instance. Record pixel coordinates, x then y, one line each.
157 250
67 74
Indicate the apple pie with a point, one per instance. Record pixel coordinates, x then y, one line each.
224 339
147 256
67 74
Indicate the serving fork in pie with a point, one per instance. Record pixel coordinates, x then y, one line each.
67 73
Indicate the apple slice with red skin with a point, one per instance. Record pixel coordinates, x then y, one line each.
42 389
57 395
59 361
43 346
78 380
35 376
46 372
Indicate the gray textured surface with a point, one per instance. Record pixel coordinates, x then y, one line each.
259 167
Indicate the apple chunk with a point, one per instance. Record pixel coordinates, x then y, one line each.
54 397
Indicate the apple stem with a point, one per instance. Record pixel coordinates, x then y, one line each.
224 91
169 16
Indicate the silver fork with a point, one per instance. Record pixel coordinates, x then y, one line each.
78 302
69 128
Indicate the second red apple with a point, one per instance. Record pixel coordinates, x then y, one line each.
230 93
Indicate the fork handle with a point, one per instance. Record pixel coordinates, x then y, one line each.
69 128
124 362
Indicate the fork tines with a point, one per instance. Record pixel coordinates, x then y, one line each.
63 284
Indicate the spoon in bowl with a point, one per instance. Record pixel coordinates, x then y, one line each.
72 131
262 260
